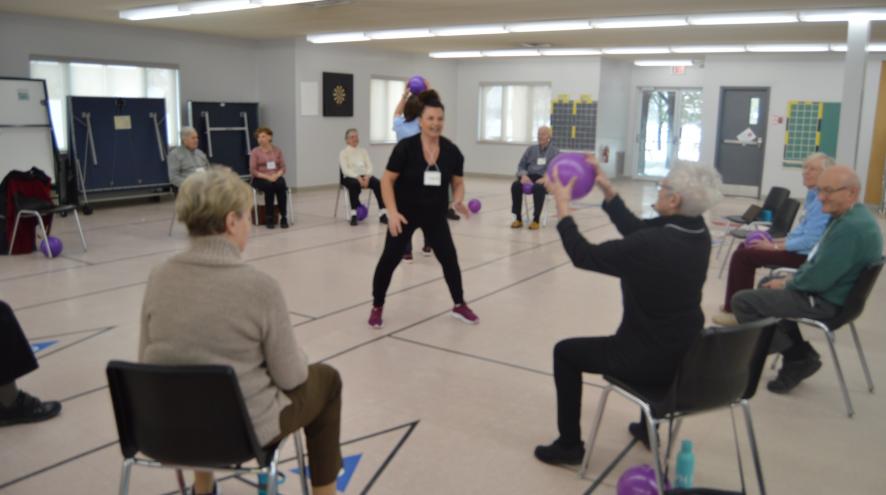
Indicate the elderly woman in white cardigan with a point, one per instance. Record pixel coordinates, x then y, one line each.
206 306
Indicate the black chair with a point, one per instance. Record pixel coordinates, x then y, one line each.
721 369
777 196
852 309
782 221
341 185
38 208
190 417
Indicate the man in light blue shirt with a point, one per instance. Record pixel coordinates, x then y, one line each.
788 252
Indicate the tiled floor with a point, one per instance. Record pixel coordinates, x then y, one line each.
431 405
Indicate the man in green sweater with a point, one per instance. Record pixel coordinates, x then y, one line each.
851 242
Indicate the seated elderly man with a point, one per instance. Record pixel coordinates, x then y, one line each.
356 171
790 252
662 264
818 289
186 159
531 170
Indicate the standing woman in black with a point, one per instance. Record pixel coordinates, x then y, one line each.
414 188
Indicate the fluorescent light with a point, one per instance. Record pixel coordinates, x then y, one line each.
743 18
637 50
638 22
469 30
511 53
709 49
795 48
215 6
275 3
877 47
147 13
567 52
337 37
835 47
537 27
663 63
399 34
842 15
465 54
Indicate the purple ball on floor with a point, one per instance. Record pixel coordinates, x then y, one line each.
755 236
572 164
527 188
362 211
474 205
54 246
638 480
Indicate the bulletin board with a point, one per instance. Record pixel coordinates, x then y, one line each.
811 127
574 123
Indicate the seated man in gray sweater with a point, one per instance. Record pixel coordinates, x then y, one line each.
851 242
531 170
186 159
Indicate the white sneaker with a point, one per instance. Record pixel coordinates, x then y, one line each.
725 319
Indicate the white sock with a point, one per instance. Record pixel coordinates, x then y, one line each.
382 212
353 213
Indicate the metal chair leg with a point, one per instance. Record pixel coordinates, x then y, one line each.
337 198
302 465
592 436
45 235
18 216
124 477
182 486
737 448
830 337
254 207
654 447
80 229
864 362
726 259
172 222
753 441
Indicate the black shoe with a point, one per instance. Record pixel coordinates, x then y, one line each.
283 223
28 409
556 453
269 223
793 372
452 215
353 219
638 430
383 219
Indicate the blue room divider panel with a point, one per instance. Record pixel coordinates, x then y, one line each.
226 131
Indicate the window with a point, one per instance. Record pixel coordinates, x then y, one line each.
384 96
511 113
65 79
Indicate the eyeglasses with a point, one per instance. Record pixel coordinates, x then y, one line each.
827 191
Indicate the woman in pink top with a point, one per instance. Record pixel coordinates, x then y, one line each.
266 166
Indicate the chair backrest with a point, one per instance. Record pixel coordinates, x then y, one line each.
751 214
723 365
185 415
783 218
777 196
858 295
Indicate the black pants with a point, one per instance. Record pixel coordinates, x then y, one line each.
538 197
277 188
601 355
16 357
353 187
437 235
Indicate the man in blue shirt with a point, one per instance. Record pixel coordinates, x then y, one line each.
789 252
531 170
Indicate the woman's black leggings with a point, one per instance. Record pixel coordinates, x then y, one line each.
437 235
277 188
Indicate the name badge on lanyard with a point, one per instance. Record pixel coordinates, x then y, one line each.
542 161
433 177
271 165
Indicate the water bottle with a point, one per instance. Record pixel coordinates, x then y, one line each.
685 465
263 482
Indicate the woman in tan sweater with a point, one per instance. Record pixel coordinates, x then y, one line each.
206 306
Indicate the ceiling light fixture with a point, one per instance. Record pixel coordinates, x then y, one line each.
637 50
709 49
547 26
743 18
792 48
569 52
663 63
464 54
337 37
638 22
148 13
524 52
399 34
216 6
469 30
842 15
877 47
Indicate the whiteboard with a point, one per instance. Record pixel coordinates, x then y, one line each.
23 102
24 147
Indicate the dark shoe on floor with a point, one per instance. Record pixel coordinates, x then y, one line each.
452 215
426 251
28 409
793 372
284 224
638 430
407 257
557 453
383 219
270 223
375 320
353 220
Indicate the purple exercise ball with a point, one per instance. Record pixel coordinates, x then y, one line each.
416 84
756 235
638 480
474 205
362 211
527 188
55 247
572 164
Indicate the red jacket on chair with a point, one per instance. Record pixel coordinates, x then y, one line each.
33 185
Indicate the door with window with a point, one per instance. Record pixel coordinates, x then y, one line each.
670 129
741 133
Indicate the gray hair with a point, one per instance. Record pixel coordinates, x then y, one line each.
187 131
825 160
348 132
698 187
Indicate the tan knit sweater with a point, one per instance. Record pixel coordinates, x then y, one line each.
205 306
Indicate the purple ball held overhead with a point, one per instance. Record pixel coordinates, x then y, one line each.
638 480
569 165
54 247
527 188
755 236
362 211
474 205
416 84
